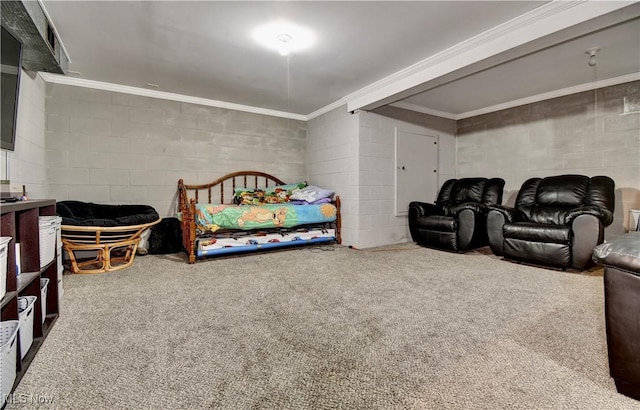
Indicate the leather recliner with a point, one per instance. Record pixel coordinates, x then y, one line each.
457 220
621 260
556 222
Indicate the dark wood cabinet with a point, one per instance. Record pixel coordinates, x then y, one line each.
20 221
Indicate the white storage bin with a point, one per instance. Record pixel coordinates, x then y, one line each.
26 306
44 282
8 357
4 246
50 231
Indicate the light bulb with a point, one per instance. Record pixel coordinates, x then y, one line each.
283 47
592 56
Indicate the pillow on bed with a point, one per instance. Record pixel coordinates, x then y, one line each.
245 196
270 195
311 194
286 187
282 193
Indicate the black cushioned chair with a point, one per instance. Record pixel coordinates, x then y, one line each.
457 220
113 232
557 221
621 259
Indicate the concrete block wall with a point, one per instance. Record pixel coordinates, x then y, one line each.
26 165
565 135
378 224
115 148
333 162
354 154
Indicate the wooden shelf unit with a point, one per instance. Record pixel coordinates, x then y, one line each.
19 220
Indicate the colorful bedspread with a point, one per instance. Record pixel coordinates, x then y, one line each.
245 241
211 218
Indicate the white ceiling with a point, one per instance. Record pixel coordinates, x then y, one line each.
204 49
562 66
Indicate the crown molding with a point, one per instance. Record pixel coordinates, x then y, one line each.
523 101
424 110
99 85
59 79
326 109
553 94
545 20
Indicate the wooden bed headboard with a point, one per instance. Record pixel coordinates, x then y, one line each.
226 185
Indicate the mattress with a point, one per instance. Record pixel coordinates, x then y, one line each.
250 241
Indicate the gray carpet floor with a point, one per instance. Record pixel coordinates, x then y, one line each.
324 328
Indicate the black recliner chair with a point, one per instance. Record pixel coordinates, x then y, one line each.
621 260
557 221
457 220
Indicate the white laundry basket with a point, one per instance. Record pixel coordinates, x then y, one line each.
8 357
50 235
26 306
4 248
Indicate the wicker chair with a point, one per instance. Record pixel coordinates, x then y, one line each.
110 232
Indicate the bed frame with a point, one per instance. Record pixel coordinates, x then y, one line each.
215 192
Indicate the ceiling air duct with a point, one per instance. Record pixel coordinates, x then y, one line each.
41 48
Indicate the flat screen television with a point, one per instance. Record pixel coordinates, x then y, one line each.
9 85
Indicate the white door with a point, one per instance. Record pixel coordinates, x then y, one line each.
416 169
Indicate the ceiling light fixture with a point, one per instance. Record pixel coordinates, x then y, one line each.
284 37
285 40
592 56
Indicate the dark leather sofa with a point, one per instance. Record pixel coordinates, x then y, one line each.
621 259
557 221
457 220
